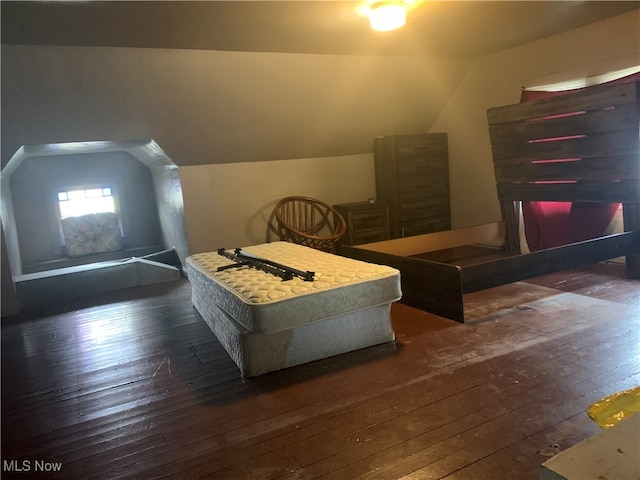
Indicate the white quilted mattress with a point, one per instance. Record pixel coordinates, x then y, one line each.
263 303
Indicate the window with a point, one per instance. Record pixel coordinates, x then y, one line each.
74 203
583 82
84 200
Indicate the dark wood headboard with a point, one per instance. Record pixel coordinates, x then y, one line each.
576 147
580 147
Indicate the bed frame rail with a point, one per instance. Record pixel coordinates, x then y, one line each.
578 147
521 267
430 286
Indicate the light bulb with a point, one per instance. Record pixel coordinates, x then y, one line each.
386 16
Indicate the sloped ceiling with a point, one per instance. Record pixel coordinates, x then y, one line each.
239 81
435 28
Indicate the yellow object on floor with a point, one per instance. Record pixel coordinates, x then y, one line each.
614 408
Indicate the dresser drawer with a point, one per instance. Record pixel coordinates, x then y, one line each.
366 222
369 235
425 209
368 218
425 225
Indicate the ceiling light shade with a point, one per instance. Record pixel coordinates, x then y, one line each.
385 16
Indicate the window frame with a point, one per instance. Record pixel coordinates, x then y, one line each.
113 195
55 216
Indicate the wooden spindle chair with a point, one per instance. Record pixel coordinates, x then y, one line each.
310 222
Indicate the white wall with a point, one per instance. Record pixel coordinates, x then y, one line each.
210 107
497 80
229 205
204 107
230 120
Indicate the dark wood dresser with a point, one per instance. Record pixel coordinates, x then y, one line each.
366 222
412 177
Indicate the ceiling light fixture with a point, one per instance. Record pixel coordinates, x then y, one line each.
387 15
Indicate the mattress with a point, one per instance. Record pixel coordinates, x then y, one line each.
264 303
259 353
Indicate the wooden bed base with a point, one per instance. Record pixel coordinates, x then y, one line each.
439 287
578 147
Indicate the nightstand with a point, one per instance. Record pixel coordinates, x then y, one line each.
366 222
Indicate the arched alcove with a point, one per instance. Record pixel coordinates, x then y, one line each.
149 194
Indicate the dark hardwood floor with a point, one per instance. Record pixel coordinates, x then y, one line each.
132 384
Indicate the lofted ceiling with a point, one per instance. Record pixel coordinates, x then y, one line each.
435 28
331 88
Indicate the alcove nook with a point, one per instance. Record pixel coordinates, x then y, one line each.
139 180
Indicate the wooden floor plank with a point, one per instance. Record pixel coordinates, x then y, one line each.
133 384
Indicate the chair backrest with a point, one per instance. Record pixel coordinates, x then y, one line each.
309 221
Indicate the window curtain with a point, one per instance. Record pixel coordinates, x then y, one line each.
551 224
